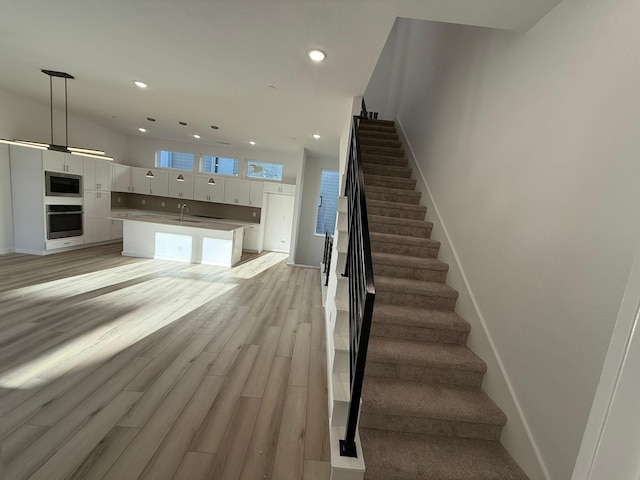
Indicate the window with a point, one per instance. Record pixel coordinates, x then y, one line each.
270 171
220 165
178 160
327 203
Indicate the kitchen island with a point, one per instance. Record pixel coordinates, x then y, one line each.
195 240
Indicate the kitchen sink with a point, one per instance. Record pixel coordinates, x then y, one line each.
189 221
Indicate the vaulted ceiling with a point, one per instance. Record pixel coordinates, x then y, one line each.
236 64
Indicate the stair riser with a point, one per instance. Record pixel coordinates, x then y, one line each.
372 129
382 160
403 183
409 250
409 272
422 232
429 426
416 300
418 334
389 152
393 197
377 169
420 373
397 212
379 142
368 134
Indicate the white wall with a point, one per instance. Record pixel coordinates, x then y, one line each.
530 149
26 119
141 152
310 246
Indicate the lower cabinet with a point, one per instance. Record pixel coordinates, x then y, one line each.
116 229
96 224
251 241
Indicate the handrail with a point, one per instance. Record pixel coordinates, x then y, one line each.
362 291
326 257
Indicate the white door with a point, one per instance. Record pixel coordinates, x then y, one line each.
277 232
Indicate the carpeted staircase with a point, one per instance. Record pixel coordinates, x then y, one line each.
424 415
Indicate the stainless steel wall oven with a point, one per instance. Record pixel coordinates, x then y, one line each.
64 221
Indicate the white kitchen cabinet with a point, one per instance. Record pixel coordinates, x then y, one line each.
116 229
97 207
251 241
243 192
157 185
122 178
61 162
282 188
208 193
181 189
97 174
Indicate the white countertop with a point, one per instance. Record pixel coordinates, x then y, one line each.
188 221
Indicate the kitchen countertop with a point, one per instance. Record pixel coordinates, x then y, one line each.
122 213
190 222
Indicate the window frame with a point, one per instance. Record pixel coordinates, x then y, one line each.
315 224
255 177
158 160
203 171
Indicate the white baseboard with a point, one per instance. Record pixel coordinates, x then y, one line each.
479 320
4 251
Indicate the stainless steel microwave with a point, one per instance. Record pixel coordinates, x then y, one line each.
62 184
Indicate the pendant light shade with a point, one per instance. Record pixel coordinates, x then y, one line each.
180 178
150 174
211 181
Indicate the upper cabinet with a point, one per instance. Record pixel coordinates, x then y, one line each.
243 192
283 188
122 178
181 188
158 184
61 162
205 192
97 174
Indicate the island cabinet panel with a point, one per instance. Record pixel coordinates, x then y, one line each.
205 192
181 189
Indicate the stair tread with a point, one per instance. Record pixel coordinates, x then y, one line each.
419 317
391 190
390 396
436 355
406 456
376 121
384 177
403 239
399 221
388 170
408 261
415 287
405 206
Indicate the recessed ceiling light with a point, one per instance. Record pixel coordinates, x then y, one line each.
316 136
140 84
316 55
272 87
195 135
215 127
151 119
184 124
252 142
142 129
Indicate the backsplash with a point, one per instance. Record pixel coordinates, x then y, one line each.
155 204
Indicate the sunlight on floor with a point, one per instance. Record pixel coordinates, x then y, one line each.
258 265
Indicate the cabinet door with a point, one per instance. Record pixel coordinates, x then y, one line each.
230 191
116 229
187 186
104 210
159 184
201 188
54 161
243 197
73 163
103 174
139 181
216 192
90 216
122 178
255 198
89 178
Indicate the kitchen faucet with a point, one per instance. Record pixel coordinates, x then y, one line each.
182 210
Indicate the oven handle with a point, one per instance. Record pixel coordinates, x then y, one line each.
64 213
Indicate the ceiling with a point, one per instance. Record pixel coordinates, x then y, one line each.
214 62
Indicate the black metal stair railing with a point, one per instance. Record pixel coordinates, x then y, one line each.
359 269
326 257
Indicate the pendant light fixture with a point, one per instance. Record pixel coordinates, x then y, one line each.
211 181
149 174
65 148
180 178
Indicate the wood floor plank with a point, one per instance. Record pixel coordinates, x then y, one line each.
228 461
133 461
22 437
257 380
70 455
289 460
288 335
210 434
300 361
264 438
316 470
98 462
33 456
194 466
317 422
169 455
161 387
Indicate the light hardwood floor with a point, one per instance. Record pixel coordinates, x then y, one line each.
121 368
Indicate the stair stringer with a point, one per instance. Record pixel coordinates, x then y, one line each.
516 435
337 343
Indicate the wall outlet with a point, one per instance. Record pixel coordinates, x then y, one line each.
119 199
178 205
162 204
254 214
143 201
